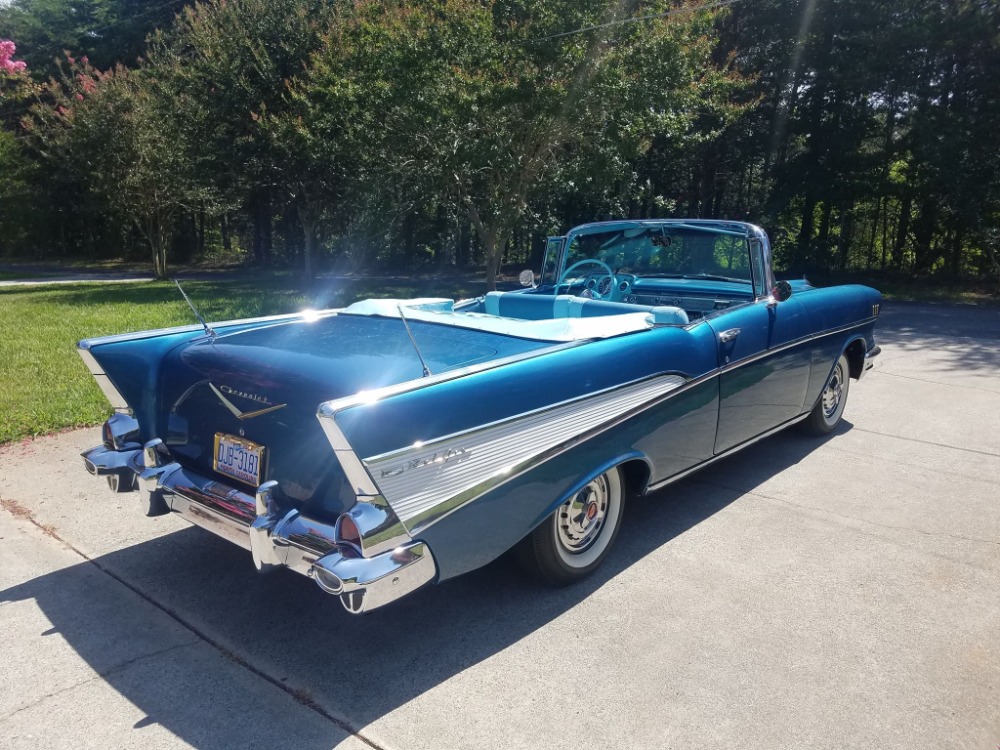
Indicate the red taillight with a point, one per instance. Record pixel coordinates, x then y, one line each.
347 531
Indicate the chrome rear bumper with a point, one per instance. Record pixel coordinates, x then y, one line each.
274 536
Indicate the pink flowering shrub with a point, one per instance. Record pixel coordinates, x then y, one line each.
7 65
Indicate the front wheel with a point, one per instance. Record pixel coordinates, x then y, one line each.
826 415
572 542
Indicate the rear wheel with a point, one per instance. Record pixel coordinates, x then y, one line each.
826 415
573 541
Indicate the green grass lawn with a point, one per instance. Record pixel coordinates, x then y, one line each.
44 385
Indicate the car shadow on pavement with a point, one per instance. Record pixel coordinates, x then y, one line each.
352 669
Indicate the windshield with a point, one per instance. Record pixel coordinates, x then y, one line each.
666 251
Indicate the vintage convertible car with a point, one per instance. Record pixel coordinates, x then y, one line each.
394 443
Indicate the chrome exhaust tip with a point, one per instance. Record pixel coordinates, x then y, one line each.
328 581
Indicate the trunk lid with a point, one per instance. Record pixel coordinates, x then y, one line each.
264 386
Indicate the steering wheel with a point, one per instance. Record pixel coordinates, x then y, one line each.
595 288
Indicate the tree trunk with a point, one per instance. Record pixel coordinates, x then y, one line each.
845 238
823 240
308 219
262 230
923 233
804 243
227 243
902 231
153 229
957 240
494 245
492 267
201 232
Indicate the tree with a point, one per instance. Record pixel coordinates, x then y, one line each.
107 32
483 102
114 133
224 64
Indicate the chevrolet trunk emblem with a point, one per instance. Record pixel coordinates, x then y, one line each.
244 414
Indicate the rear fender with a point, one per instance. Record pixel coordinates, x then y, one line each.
630 457
127 366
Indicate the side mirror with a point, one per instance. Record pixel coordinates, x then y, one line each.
527 277
781 291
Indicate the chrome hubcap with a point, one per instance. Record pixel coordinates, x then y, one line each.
834 391
581 518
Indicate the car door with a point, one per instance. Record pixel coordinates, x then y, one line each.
764 364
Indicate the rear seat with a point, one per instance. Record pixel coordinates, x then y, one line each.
543 306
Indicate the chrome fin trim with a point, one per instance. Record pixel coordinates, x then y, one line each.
108 388
426 482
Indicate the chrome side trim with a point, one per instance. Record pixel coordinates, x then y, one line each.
725 454
196 327
111 393
792 344
388 531
427 482
424 504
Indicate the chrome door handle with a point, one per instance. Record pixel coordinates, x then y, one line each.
726 336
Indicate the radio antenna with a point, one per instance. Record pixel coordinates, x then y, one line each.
406 325
208 328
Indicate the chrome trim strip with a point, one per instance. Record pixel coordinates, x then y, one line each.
377 523
389 531
792 344
422 508
111 393
427 482
725 454
195 327
330 409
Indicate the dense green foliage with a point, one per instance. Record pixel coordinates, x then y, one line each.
419 133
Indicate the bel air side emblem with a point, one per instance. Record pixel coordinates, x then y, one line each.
441 457
249 396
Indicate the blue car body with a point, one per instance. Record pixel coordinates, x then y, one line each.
394 443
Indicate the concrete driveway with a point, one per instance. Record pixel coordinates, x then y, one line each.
840 593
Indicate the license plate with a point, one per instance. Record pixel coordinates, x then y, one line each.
238 458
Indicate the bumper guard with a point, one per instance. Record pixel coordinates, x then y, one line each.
869 362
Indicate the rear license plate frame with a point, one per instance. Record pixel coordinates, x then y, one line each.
243 459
